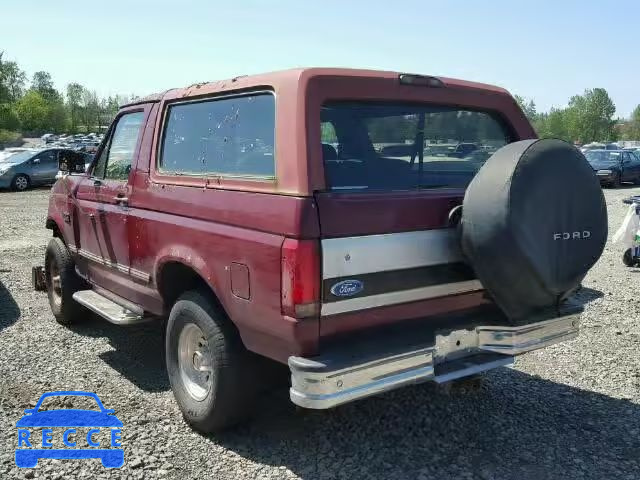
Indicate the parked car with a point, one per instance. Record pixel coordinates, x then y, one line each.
29 168
615 166
7 152
48 138
259 240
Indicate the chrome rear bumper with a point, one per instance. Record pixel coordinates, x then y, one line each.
343 375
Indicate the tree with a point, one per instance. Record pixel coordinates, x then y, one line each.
12 81
32 110
553 124
590 116
38 114
90 109
631 129
4 90
43 84
74 99
529 108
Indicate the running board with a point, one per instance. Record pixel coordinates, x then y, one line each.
107 308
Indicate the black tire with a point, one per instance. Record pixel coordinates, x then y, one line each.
627 258
59 263
231 382
21 182
524 268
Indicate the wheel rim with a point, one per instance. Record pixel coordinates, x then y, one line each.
55 284
22 183
194 361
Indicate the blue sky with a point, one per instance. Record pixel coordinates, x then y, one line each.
545 50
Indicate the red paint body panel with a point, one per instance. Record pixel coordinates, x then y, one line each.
348 214
230 231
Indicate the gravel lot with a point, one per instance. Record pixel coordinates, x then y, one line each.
567 412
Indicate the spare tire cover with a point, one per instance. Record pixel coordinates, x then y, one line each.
534 221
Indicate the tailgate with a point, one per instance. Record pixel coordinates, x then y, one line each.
387 257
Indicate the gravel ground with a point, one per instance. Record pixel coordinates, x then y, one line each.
571 411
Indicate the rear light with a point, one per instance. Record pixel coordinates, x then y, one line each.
300 278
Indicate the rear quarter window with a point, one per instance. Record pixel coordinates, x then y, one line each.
393 146
229 136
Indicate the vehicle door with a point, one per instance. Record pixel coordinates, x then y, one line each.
44 167
631 165
103 203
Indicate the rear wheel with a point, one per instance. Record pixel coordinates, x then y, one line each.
627 258
212 375
20 182
62 282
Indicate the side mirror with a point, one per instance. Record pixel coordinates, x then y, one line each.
71 162
30 410
35 160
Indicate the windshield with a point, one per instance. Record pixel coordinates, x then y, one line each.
603 157
382 146
18 157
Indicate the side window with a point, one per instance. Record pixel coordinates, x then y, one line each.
631 158
232 136
116 158
48 158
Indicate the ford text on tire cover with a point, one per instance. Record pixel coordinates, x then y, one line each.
366 229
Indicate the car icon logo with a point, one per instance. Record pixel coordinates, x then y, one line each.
31 447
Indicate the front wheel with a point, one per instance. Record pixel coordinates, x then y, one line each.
212 375
20 182
62 282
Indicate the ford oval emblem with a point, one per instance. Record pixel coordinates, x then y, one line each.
347 288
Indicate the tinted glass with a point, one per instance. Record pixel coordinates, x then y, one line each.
48 157
18 157
232 136
374 146
603 157
115 160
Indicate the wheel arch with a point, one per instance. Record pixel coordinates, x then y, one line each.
52 225
175 276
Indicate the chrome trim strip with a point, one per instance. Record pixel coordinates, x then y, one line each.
342 257
145 277
401 296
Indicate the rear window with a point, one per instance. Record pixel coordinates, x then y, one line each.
231 136
603 156
373 146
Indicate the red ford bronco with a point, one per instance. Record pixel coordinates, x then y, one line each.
368 229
